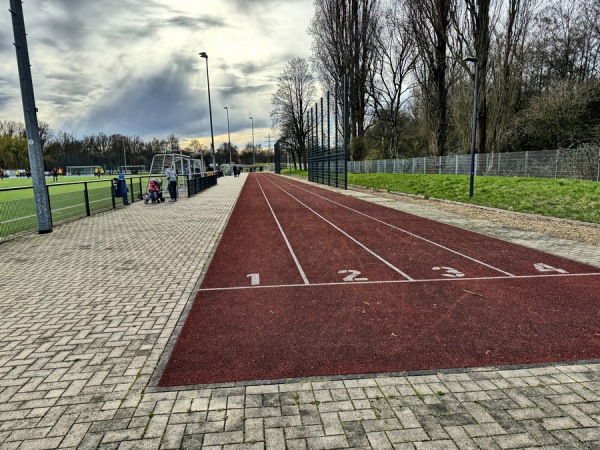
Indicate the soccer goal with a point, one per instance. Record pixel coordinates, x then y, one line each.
81 170
186 167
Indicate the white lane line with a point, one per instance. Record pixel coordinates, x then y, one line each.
432 280
287 242
387 263
406 231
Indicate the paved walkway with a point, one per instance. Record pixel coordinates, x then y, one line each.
87 311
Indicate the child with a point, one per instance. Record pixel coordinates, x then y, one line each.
122 188
153 189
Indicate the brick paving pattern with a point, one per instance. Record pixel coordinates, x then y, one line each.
87 312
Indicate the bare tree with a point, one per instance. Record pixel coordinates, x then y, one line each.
46 133
473 27
172 144
430 21
295 93
565 45
12 128
344 42
507 61
389 86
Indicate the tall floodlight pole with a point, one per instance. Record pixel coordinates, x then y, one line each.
228 135
36 159
253 148
212 136
124 156
474 131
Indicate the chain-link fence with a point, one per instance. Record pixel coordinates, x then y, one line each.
582 163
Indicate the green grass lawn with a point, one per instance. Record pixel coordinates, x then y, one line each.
561 198
65 184
67 200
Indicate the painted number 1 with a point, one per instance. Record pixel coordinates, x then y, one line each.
254 279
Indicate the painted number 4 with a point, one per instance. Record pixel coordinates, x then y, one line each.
353 275
541 267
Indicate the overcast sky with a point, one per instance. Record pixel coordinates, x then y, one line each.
132 66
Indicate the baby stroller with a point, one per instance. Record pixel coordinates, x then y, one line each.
154 193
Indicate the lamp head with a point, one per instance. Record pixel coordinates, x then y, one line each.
203 55
470 59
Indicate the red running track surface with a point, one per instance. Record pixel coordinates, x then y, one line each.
418 295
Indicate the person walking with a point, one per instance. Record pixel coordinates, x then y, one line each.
122 189
171 175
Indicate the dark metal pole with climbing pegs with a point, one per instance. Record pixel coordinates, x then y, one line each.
36 160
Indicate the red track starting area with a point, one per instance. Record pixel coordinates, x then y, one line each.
309 282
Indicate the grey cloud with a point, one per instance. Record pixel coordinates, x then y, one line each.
6 40
157 105
195 22
256 6
73 24
5 97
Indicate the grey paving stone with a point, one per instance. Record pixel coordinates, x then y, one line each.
356 435
76 365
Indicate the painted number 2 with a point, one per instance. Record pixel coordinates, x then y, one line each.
353 275
541 267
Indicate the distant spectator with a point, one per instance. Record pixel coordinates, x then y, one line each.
54 174
171 175
122 189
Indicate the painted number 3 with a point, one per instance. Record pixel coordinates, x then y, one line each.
353 275
450 272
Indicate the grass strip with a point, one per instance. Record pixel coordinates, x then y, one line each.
560 198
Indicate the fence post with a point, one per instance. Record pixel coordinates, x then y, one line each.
49 203
131 185
526 160
112 195
456 164
87 198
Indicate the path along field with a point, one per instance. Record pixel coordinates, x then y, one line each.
349 287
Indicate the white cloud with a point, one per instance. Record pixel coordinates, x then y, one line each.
132 66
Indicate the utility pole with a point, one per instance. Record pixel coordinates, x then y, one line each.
36 159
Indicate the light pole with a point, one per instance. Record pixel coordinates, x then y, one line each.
212 136
124 156
474 131
228 135
253 149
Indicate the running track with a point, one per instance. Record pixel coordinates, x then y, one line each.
309 282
